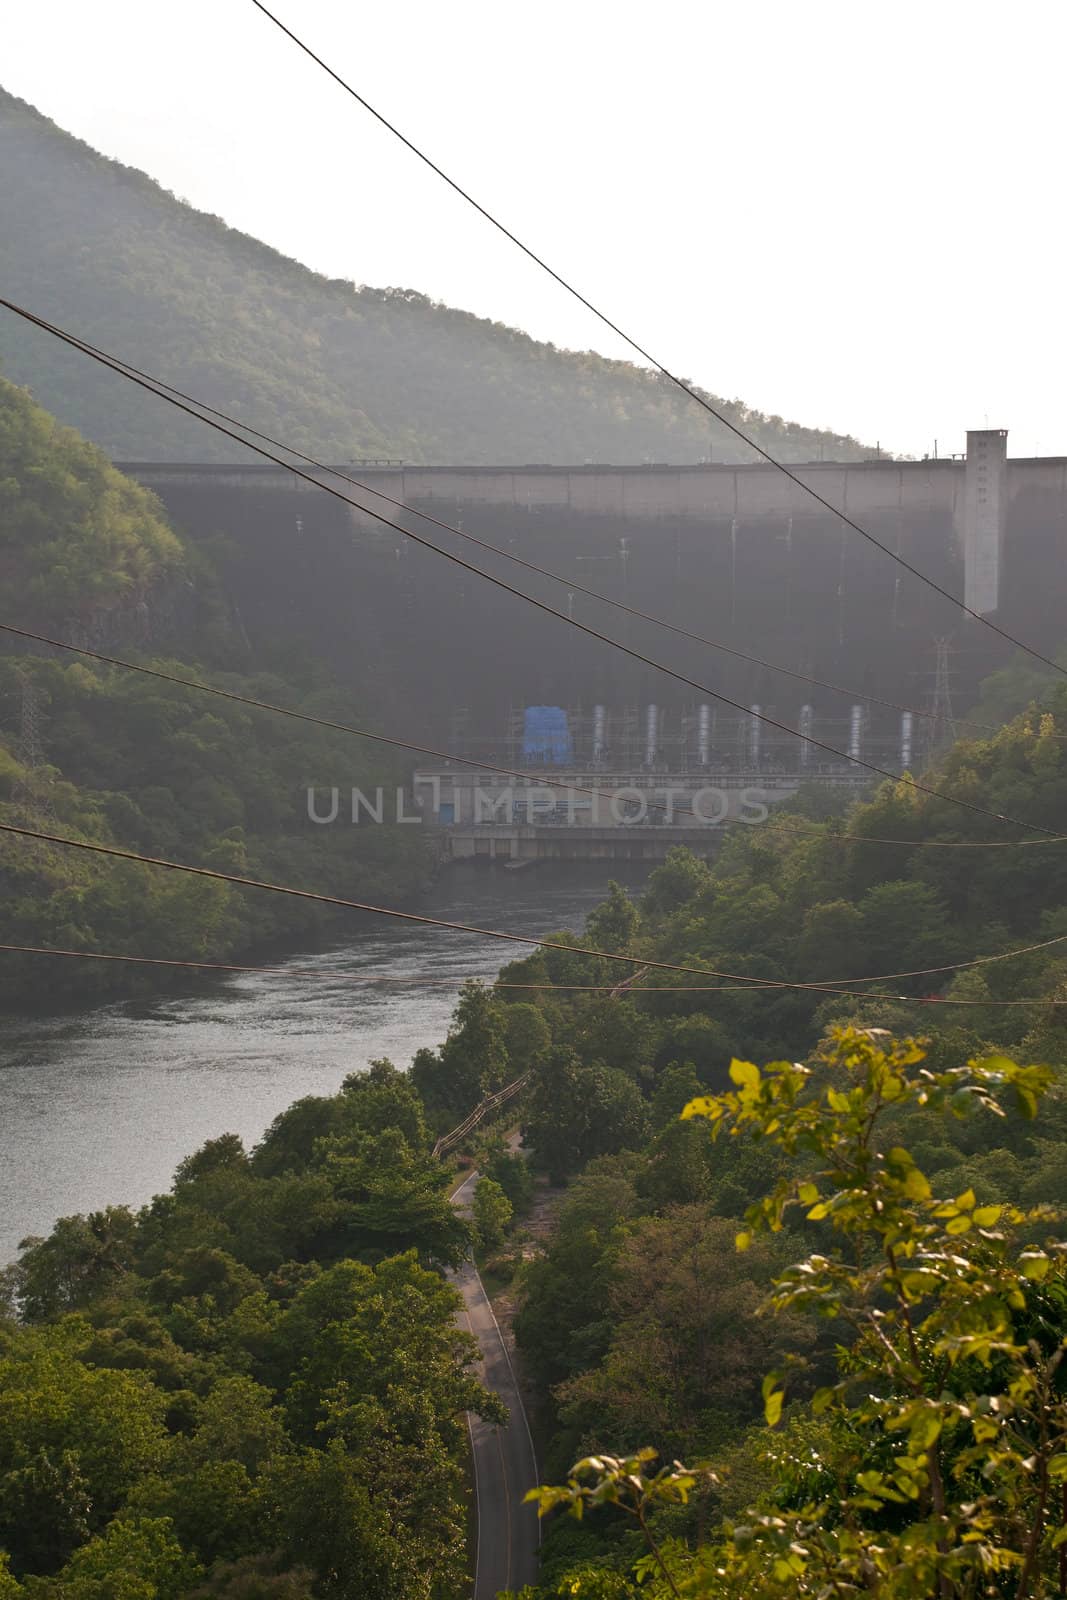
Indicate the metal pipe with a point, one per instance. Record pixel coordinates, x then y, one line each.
599 741
807 722
704 736
907 722
651 735
855 733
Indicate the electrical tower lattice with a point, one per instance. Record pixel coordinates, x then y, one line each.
32 792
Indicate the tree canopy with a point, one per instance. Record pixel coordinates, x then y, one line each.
254 1386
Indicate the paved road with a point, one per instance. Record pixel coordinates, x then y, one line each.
504 1463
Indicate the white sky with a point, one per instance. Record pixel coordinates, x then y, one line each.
850 213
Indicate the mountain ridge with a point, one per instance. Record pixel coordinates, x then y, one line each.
336 369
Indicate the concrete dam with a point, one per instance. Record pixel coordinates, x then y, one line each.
737 554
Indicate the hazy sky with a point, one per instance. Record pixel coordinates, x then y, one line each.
849 213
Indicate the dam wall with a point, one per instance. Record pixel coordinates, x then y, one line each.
737 554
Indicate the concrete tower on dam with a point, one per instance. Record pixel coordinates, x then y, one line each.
736 554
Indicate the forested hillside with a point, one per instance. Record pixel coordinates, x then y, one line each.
846 1312
336 370
103 754
78 541
255 1386
726 1300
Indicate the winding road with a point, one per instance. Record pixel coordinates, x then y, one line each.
505 1466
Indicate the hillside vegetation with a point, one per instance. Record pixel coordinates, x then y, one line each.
672 1309
337 370
104 755
76 537
254 1387
846 1313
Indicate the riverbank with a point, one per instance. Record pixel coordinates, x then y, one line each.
102 1103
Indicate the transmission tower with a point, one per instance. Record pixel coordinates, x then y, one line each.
940 730
32 792
943 694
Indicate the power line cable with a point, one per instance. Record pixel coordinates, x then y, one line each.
117 366
571 585
420 981
646 355
777 824
420 919
959 966
214 874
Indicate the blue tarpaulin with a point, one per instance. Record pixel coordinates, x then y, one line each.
546 738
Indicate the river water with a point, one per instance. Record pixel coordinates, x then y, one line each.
97 1107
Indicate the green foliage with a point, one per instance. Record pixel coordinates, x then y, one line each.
474 1060
146 765
492 1212
681 1366
614 922
80 1261
563 1326
141 765
577 1112
935 1463
511 1171
213 1397
337 371
77 539
133 1560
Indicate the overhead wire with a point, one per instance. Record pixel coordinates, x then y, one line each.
149 384
420 980
572 585
777 824
959 966
525 939
680 383
419 919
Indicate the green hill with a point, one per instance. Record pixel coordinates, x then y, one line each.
78 541
337 370
153 767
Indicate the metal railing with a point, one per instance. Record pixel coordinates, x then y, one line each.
469 1123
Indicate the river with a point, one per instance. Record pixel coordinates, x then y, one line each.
99 1106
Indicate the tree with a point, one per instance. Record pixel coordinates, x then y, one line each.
82 1258
612 925
387 1334
510 1170
329 1518
381 1100
213 1509
563 1326
681 878
390 1199
259 1577
492 1213
289 1142
576 1113
44 1511
678 1084
138 1559
683 1366
831 941
936 1464
85 1434
527 1036
472 1062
